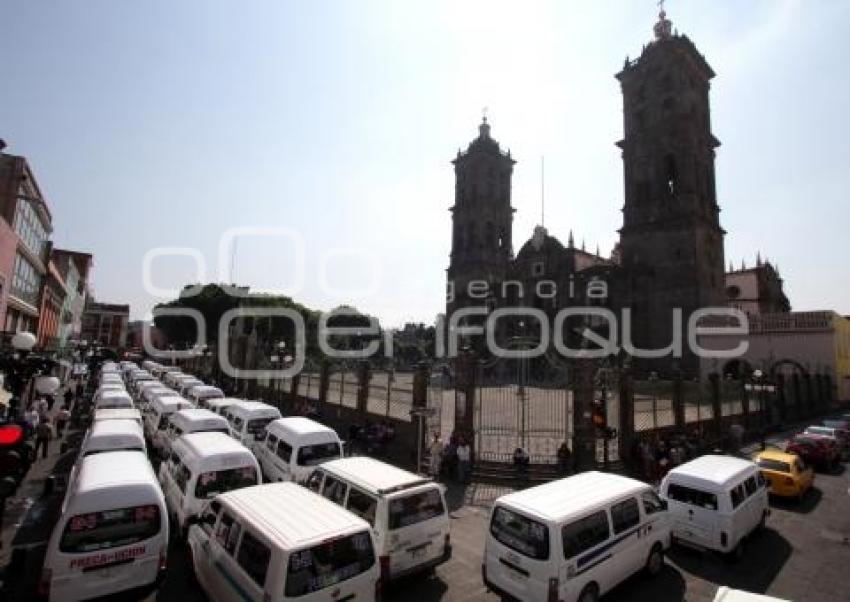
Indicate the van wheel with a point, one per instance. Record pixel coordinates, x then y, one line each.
589 594
655 560
737 554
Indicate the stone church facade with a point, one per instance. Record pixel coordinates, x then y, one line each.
671 250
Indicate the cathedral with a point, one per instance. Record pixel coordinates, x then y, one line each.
670 255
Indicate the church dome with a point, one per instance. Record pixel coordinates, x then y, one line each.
541 243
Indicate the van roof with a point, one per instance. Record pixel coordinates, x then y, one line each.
713 469
292 515
222 401
119 426
117 414
171 401
109 469
201 388
207 443
197 415
115 394
373 475
571 497
299 425
250 407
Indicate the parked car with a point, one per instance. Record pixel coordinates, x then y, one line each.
788 474
840 435
815 450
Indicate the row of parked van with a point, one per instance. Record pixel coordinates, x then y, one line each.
356 522
359 523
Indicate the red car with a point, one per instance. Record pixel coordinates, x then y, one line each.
817 451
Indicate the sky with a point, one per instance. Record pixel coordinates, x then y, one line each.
319 135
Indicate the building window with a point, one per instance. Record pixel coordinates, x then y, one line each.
537 268
26 281
29 228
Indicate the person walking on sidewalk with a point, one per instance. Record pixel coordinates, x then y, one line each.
464 465
62 418
435 452
43 435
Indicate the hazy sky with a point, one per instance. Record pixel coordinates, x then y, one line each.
163 124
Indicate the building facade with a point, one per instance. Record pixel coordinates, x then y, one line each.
670 256
25 247
756 290
74 267
106 324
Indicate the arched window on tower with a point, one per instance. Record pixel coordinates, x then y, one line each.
671 175
503 240
491 235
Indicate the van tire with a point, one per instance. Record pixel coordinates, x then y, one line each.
590 593
655 560
737 553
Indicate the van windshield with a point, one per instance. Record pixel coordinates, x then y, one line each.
528 537
328 564
311 455
215 482
774 465
258 425
109 529
416 508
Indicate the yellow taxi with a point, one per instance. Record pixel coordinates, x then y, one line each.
788 474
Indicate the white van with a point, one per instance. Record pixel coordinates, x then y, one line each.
107 387
119 414
185 386
112 535
282 542
171 379
136 378
144 386
194 420
113 435
150 394
220 405
575 538
294 446
201 466
248 420
407 513
156 420
716 502
200 393
115 398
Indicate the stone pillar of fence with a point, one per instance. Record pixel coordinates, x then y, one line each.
716 404
420 385
293 389
465 398
324 380
584 433
678 402
807 391
627 415
364 376
745 403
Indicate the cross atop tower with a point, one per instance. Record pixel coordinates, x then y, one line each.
664 28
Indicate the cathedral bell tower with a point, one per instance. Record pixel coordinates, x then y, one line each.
482 220
671 239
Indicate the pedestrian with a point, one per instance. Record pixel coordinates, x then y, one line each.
43 434
521 462
68 396
564 458
51 401
435 451
31 418
62 418
80 389
42 406
464 461
449 463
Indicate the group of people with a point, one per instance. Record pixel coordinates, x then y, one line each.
657 456
452 460
373 438
37 418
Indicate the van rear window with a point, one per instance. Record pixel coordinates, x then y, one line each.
328 564
416 508
258 425
221 481
311 455
109 529
528 537
694 497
